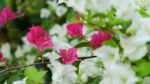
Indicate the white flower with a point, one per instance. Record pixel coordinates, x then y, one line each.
125 9
136 23
84 52
5 82
146 80
89 68
25 41
62 74
20 81
19 52
60 10
62 1
98 5
141 27
52 3
5 49
52 56
59 44
118 74
59 31
144 32
27 48
26 45
143 3
132 49
78 5
108 53
45 13
30 59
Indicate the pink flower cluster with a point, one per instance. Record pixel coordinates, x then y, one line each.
37 36
6 14
68 56
99 38
75 29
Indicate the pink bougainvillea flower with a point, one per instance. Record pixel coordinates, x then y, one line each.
1 56
37 36
99 38
68 56
2 19
8 14
75 29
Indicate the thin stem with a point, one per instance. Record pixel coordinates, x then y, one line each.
82 58
18 67
36 64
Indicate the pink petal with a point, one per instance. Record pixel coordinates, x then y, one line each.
1 56
8 13
99 38
70 56
37 36
75 29
2 19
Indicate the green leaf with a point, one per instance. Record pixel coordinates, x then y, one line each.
99 64
143 69
14 77
71 16
9 3
33 74
110 42
80 74
143 12
83 44
93 80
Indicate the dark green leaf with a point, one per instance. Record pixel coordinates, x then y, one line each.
71 16
93 80
83 44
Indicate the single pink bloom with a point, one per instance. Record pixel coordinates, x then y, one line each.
75 29
1 56
68 56
8 14
99 38
37 36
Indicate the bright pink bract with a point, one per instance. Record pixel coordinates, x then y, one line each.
2 19
68 56
37 36
7 13
1 56
75 29
99 38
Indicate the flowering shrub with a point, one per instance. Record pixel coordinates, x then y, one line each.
75 42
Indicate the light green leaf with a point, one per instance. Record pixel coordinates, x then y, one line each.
33 74
143 69
111 43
